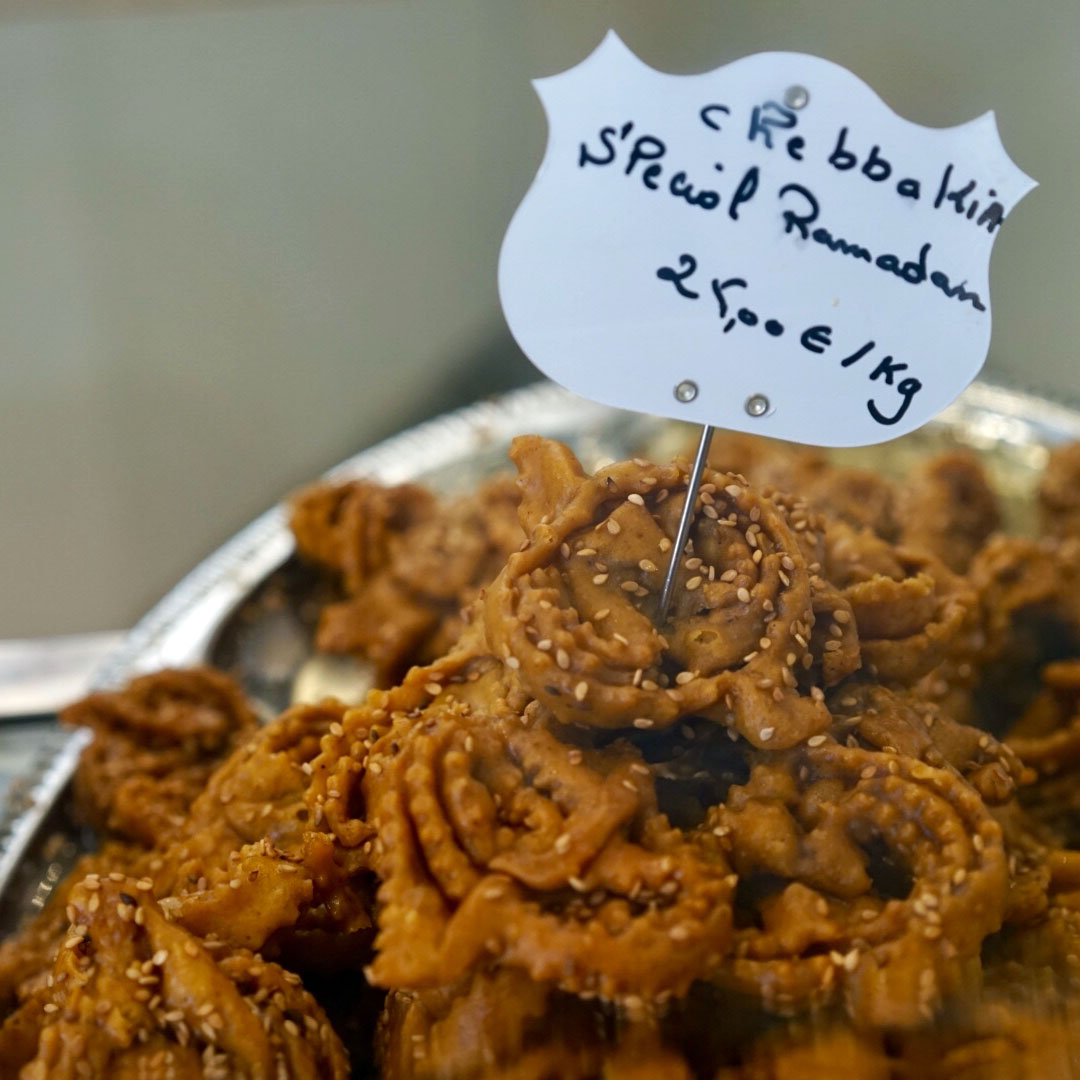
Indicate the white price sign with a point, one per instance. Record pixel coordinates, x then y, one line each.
766 247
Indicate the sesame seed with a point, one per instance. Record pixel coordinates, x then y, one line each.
544 644
373 767
620 639
733 490
684 677
576 884
613 527
729 575
603 613
678 933
766 733
599 579
643 722
433 688
564 550
629 586
647 565
815 740
635 498
765 643
581 690
49 1007
562 843
513 663
744 595
159 958
694 583
586 551
562 658
665 544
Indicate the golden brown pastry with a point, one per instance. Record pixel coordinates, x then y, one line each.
156 742
132 994
573 612
408 564
496 843
821 820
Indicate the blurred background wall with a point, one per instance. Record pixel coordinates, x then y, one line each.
238 244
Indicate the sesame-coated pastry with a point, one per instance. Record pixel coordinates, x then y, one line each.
132 994
820 820
156 742
573 613
407 564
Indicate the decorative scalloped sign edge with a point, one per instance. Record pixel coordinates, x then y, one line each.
765 247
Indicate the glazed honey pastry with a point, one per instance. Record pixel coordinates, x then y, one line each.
573 612
156 742
820 820
407 564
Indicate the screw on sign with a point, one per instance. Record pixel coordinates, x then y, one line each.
735 246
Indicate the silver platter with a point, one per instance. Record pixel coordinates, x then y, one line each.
251 606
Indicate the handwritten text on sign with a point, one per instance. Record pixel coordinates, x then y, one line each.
770 229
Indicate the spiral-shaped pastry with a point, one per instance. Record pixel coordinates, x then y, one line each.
356 527
904 723
1059 492
1047 736
408 564
252 862
502 1025
132 994
156 743
908 607
496 842
865 872
573 613
949 508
